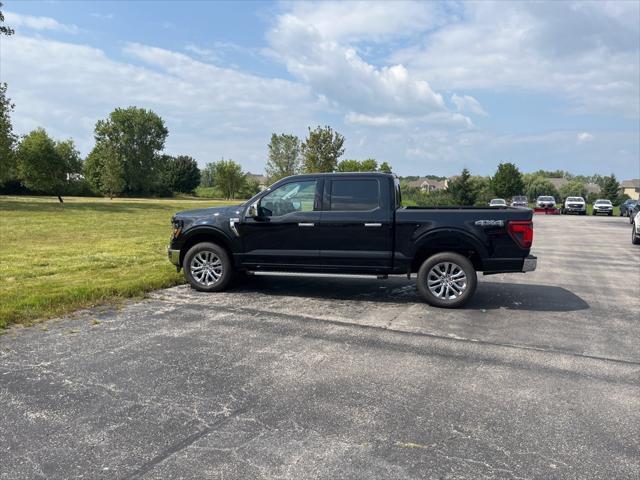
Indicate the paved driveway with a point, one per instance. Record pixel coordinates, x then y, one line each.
297 377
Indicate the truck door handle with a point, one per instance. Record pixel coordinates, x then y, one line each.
372 224
306 224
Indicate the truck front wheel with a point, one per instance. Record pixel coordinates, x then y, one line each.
207 267
447 280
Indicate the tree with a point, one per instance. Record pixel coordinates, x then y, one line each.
41 168
385 167
349 166
4 30
134 136
507 181
537 186
179 174
112 182
70 155
482 190
461 189
321 150
611 189
7 138
368 165
206 176
228 177
573 188
284 157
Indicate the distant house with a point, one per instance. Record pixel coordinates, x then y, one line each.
631 188
428 185
260 179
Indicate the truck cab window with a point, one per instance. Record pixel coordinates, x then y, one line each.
354 195
289 198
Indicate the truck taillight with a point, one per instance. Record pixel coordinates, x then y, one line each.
522 233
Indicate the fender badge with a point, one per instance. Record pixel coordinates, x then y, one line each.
489 223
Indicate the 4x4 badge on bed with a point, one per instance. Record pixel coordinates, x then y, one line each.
490 223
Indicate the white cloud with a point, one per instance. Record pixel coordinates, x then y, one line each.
374 120
210 111
468 103
584 137
585 52
373 21
17 21
336 71
204 53
103 16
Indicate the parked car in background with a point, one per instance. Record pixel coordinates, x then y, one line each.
603 206
635 230
545 202
498 202
520 201
634 211
626 207
574 205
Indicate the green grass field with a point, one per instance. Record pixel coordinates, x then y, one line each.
57 258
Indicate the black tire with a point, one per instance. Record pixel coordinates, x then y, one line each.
212 255
593 212
610 214
634 238
434 262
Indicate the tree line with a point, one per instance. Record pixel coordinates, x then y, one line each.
507 182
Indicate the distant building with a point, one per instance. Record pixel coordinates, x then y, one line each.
631 188
261 179
428 185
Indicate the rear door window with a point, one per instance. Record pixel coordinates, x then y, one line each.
354 195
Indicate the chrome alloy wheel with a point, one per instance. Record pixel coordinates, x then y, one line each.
447 280
206 268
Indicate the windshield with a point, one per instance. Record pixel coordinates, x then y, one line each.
519 199
575 199
546 199
605 202
498 201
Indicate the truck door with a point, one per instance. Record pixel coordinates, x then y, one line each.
356 224
284 234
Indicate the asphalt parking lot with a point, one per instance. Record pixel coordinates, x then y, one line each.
300 377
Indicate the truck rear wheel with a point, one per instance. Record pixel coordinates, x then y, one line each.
447 280
207 267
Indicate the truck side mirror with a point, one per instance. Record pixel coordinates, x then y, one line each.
252 211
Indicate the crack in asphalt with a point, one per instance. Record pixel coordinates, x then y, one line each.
181 445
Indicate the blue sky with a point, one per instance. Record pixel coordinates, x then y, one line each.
430 87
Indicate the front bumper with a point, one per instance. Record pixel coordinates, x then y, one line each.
174 256
603 210
530 263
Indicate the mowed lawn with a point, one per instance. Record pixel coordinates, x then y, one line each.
57 258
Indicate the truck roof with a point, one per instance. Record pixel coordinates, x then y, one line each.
346 174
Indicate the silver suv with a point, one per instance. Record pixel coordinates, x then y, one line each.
603 206
546 202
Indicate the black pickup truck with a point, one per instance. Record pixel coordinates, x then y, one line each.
352 223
